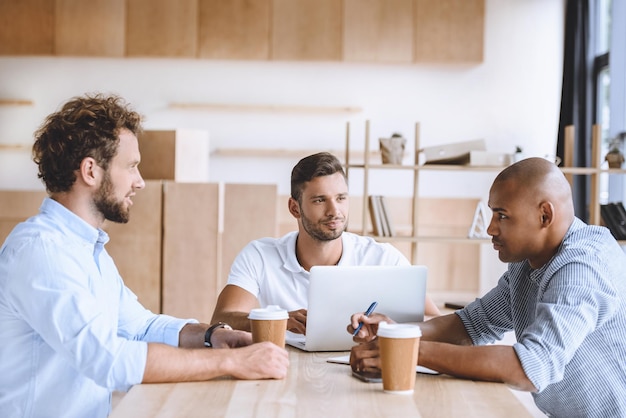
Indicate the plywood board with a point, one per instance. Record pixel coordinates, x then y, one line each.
190 249
136 246
234 29
27 27
181 155
249 213
307 30
161 28
378 30
17 206
90 28
449 30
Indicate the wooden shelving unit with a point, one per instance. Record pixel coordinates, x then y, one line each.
414 237
271 108
594 172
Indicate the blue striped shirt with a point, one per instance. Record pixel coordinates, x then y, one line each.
569 319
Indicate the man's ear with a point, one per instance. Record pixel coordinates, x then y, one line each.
294 208
89 171
547 213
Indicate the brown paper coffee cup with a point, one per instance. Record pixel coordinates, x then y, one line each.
269 324
399 345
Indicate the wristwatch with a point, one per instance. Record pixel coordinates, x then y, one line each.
209 332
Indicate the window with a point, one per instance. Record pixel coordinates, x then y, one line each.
609 73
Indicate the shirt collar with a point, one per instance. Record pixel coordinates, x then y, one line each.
71 223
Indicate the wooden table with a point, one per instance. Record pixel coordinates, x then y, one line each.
316 388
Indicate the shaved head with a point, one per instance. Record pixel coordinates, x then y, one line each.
539 180
532 210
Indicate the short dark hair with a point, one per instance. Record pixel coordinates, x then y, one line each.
308 168
87 126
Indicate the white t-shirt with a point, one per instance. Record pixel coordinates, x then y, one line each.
268 267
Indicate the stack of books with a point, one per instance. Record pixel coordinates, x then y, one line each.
614 217
379 214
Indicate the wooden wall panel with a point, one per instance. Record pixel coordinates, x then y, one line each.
181 155
162 28
90 28
26 27
190 249
243 224
449 30
17 206
378 30
307 30
234 29
136 246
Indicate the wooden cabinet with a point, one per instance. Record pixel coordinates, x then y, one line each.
90 28
306 30
378 31
204 227
392 31
176 251
27 27
161 28
136 246
234 29
181 155
449 30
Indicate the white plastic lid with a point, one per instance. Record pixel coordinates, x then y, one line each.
269 312
398 330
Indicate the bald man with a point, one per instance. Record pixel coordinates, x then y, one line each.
564 295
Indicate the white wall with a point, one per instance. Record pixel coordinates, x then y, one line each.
512 98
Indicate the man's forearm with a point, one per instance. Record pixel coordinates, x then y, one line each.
495 363
237 320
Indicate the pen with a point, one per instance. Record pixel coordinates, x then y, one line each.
367 313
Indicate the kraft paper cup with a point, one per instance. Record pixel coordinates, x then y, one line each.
269 324
399 345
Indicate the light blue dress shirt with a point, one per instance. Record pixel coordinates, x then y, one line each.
70 331
569 319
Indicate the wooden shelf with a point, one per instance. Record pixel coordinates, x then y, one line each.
432 239
16 102
279 153
15 147
224 107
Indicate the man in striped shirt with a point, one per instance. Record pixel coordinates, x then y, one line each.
564 296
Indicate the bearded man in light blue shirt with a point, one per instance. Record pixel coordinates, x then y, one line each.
71 331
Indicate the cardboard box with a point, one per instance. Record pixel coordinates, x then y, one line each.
454 153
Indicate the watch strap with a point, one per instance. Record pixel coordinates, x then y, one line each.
209 332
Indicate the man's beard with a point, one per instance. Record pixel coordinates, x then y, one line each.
105 202
317 233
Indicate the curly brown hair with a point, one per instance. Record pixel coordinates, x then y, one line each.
87 126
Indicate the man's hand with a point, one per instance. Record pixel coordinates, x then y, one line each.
365 357
297 321
370 325
258 361
226 338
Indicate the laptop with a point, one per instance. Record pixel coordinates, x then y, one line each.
337 292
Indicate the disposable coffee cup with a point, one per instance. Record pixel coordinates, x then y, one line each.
269 324
399 345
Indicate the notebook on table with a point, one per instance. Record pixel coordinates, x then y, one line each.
336 292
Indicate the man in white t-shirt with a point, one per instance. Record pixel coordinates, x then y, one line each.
272 271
